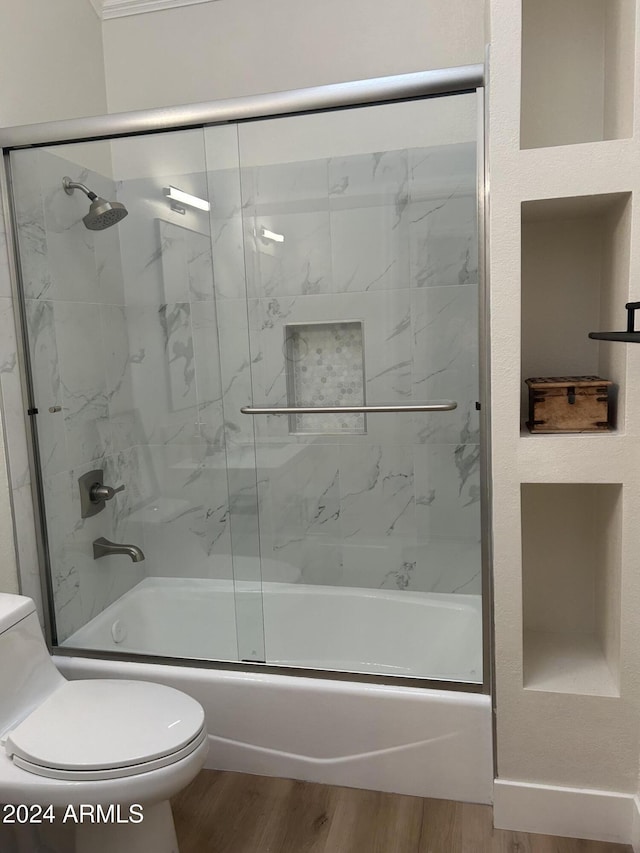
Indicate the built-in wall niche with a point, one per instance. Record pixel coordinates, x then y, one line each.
571 553
577 71
325 367
575 280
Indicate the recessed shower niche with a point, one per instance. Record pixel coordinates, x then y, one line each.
325 367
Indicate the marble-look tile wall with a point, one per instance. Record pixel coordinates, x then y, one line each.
388 240
174 376
78 344
116 321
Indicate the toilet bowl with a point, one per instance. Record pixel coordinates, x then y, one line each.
88 747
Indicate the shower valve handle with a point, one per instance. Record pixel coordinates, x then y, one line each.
99 492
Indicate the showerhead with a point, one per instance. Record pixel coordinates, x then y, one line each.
102 213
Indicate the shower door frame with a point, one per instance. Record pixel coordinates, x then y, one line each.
422 85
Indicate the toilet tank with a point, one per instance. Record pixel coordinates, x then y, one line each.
27 673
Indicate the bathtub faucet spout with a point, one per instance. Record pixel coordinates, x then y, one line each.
103 548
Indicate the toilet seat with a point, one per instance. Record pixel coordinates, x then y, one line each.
105 729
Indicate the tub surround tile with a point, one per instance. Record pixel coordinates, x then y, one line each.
371 563
32 236
227 239
5 283
107 254
369 179
370 248
447 491
290 200
125 425
65 577
301 501
83 381
142 248
443 241
200 268
167 403
443 215
302 184
125 469
299 264
70 254
193 504
187 268
445 358
177 338
61 258
441 565
376 491
226 228
47 384
441 170
165 256
223 184
236 363
321 562
204 322
438 565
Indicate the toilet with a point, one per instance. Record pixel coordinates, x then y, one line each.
92 743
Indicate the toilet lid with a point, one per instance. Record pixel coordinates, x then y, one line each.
107 727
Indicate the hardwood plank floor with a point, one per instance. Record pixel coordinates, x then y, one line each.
223 812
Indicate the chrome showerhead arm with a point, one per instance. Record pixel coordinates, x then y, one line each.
70 186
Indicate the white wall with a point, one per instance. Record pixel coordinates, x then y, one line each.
51 61
230 48
564 728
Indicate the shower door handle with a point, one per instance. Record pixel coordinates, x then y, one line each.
435 406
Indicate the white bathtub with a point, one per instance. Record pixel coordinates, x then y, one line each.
429 635
410 740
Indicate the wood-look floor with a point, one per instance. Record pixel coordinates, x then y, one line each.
224 812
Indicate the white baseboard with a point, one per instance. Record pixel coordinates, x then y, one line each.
571 812
635 826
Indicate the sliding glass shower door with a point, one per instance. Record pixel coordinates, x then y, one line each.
276 354
354 241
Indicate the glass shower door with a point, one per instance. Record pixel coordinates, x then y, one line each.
335 269
360 239
123 338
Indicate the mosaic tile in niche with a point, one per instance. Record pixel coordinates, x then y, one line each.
325 367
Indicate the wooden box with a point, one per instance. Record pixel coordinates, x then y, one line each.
568 404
